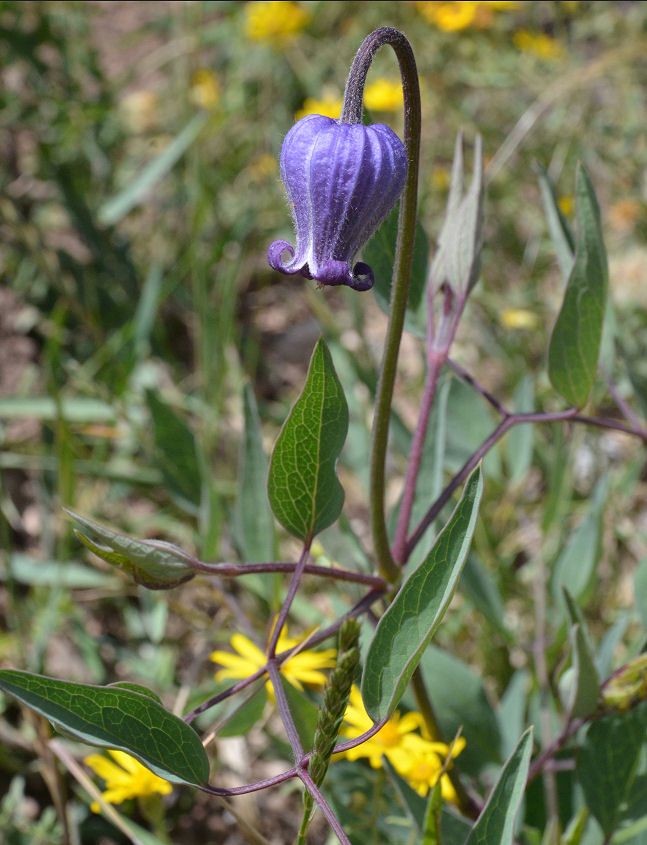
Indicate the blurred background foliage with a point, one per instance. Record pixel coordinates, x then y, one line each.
139 191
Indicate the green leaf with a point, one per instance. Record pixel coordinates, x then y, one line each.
379 254
136 688
414 805
253 523
496 822
177 451
303 711
430 476
607 763
575 830
461 703
135 192
511 712
575 341
154 564
560 231
579 685
432 832
520 439
114 717
240 720
304 491
404 631
575 567
457 260
480 587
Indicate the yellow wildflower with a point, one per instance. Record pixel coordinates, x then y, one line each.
129 779
518 318
566 205
205 89
304 667
501 5
538 43
417 759
274 21
328 106
458 15
450 16
440 178
383 95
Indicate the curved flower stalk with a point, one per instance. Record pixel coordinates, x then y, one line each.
342 180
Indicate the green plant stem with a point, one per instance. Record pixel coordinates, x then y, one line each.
352 113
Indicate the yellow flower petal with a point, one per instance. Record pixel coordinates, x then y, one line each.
130 779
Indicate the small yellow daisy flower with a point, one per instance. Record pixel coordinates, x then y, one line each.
274 21
383 95
304 667
566 205
538 43
328 106
418 760
519 318
128 779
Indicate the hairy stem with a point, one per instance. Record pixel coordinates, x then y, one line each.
352 113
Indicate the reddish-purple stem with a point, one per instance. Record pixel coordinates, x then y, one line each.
289 598
505 424
415 457
230 570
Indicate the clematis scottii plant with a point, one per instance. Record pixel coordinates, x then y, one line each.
342 179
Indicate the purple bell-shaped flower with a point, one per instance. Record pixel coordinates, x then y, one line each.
342 180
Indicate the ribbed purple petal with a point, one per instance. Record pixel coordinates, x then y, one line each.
342 180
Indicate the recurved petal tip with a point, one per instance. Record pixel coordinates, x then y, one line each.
333 272
275 257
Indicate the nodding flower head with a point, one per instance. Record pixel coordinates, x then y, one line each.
342 179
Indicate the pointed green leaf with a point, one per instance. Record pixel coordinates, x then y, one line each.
254 526
379 254
136 688
496 822
461 703
457 261
176 450
432 832
560 231
404 631
575 566
579 685
243 716
304 491
114 717
575 341
154 564
520 439
607 763
304 712
575 830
